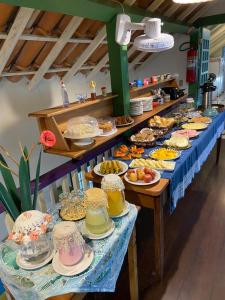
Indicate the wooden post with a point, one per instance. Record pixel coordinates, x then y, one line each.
132 262
119 71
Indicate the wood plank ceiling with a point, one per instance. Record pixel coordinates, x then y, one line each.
39 44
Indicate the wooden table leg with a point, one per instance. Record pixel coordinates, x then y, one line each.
132 264
218 149
159 236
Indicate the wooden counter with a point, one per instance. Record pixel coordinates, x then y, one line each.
77 153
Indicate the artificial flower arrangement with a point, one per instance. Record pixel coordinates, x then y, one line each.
18 200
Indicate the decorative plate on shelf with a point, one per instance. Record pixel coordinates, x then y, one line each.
110 167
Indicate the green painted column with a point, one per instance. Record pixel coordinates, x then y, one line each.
119 71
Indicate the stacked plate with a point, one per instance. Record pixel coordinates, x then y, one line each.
136 107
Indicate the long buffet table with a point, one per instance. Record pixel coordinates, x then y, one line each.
172 185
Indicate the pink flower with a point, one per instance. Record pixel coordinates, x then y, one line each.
33 236
47 138
11 236
47 218
43 228
27 214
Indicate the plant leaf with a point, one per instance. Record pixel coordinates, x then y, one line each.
36 187
25 190
10 183
26 153
8 202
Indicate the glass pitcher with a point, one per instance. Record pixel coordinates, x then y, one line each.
68 242
97 220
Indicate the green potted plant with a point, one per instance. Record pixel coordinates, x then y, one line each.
17 200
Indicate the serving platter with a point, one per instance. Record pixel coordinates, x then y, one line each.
141 182
178 154
123 165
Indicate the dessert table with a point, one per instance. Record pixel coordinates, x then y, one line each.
101 276
172 185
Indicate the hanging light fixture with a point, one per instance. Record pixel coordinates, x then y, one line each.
190 1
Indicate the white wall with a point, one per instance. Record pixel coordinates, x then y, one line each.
16 101
171 61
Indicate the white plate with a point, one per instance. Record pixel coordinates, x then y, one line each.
84 142
92 236
23 264
124 212
178 154
109 133
83 265
140 182
123 164
177 131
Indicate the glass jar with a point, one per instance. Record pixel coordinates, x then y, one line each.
190 104
68 242
114 188
97 220
30 233
36 251
73 205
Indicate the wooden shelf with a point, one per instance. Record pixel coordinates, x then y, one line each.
139 91
75 153
52 112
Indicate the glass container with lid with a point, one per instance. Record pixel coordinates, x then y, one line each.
97 220
68 242
106 124
82 128
73 205
113 186
190 104
29 231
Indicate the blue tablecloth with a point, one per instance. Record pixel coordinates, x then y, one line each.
101 276
192 159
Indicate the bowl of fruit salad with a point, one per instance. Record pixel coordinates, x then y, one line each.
142 176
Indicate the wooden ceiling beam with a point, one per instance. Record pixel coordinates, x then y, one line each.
16 30
218 46
172 10
98 67
218 32
155 5
199 13
188 11
52 55
85 55
210 20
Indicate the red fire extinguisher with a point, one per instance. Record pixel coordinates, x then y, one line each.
192 56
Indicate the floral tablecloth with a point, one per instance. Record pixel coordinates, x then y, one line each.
101 276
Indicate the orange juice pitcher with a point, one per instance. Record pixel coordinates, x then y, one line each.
114 188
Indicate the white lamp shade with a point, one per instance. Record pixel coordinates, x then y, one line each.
190 1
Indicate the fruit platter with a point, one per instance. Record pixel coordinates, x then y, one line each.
189 133
127 153
178 142
160 165
165 154
194 126
142 176
110 167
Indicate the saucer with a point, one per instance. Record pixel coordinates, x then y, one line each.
80 267
124 212
93 236
23 264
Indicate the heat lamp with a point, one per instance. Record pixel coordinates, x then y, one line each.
152 41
